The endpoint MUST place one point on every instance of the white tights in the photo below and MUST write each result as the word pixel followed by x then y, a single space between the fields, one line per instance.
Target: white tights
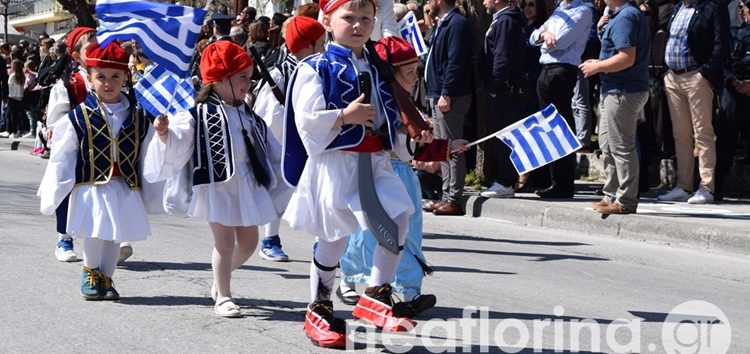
pixel 101 254
pixel 272 228
pixel 227 256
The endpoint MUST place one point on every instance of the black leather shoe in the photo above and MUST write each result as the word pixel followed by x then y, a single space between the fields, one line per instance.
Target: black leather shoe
pixel 554 193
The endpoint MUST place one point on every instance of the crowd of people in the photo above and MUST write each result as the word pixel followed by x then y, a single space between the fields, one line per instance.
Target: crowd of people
pixel 622 71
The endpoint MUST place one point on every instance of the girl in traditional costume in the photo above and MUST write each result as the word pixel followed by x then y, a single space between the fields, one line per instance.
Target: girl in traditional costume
pixel 232 157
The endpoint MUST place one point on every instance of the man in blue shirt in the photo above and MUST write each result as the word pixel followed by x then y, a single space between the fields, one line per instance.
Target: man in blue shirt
pixel 563 39
pixel 623 68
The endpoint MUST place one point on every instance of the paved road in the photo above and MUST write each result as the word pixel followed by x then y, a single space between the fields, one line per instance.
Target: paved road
pixel 533 287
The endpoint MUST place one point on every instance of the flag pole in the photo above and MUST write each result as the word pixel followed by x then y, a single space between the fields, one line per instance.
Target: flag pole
pixel 488 137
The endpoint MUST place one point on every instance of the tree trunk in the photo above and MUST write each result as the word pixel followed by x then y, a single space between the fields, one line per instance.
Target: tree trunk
pixel 486 161
pixel 82 10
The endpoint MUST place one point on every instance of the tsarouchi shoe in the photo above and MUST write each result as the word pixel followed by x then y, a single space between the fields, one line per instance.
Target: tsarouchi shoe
pixel 322 328
pixel 376 306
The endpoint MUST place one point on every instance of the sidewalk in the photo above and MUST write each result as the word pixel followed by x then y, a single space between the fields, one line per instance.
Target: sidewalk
pixel 723 227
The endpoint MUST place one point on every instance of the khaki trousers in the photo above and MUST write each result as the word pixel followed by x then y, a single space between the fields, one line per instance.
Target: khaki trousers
pixel 690 98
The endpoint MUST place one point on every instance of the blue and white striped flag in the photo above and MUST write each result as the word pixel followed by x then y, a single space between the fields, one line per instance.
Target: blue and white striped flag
pixel 539 139
pixel 167 33
pixel 160 91
pixel 410 31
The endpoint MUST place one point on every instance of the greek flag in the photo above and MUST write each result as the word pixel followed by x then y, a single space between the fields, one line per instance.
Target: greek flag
pixel 410 31
pixel 160 91
pixel 539 139
pixel 167 33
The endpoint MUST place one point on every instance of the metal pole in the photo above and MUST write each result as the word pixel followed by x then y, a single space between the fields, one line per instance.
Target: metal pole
pixel 5 21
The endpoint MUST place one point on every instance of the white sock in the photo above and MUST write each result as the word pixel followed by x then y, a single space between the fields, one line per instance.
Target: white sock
pixel 272 228
pixel 385 263
pixel 110 253
pixel 327 255
pixel 92 252
pixel 61 237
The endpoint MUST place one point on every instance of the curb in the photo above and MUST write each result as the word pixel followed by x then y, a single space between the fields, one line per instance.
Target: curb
pixel 705 236
pixel 16 144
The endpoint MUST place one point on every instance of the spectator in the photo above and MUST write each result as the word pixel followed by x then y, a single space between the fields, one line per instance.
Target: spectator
pixel 582 112
pixel 697 49
pixel 309 10
pixel 385 21
pixel 222 27
pixel 247 17
pixel 31 96
pixel 504 47
pixel 536 14
pixel 623 69
pixel 448 75
pixel 563 39
pixel 4 51
pixel 16 116
pixel 259 38
pixel 238 35
pixel 400 10
pixel 734 116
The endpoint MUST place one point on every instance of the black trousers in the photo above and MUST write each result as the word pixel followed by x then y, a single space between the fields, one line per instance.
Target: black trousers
pixel 555 86
pixel 733 119
pixel 504 111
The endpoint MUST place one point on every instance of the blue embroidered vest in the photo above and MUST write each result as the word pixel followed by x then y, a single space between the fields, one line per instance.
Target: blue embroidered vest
pixel 339 76
pixel 95 161
pixel 213 160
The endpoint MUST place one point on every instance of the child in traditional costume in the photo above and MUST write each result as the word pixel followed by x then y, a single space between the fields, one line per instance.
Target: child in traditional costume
pixel 65 94
pixel 329 132
pixel 96 161
pixel 357 260
pixel 232 154
pixel 304 36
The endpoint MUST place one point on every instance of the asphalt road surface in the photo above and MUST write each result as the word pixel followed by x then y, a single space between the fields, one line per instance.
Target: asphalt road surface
pixel 500 287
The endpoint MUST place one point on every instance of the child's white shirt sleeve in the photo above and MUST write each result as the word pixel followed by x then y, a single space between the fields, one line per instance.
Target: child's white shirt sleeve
pixel 313 119
pixel 60 175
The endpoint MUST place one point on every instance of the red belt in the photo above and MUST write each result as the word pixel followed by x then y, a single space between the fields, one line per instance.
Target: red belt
pixel 116 169
pixel 371 143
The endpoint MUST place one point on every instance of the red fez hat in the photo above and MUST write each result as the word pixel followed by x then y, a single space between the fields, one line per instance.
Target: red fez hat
pixel 75 35
pixel 327 6
pixel 301 32
pixel 396 51
pixel 111 56
pixel 223 59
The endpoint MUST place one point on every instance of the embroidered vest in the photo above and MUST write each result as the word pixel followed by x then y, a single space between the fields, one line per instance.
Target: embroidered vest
pixel 95 162
pixel 213 160
pixel 339 76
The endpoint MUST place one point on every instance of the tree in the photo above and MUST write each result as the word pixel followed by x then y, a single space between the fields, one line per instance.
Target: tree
pixel 486 167
pixel 83 10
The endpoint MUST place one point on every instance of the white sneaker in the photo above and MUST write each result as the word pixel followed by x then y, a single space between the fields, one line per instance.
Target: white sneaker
pixel 497 190
pixel 677 194
pixel 126 250
pixel 28 135
pixel 4 135
pixel 701 196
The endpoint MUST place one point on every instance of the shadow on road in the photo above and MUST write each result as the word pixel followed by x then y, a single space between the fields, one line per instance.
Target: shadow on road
pixel 538 257
pixel 429 236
